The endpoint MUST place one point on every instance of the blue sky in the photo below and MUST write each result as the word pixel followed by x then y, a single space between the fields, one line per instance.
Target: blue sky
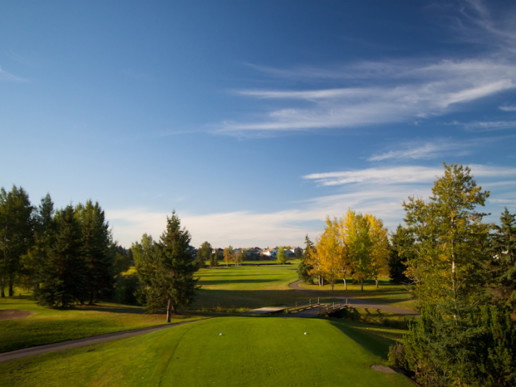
pixel 254 120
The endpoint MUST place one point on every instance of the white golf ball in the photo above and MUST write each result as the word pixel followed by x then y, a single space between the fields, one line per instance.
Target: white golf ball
pixel 306 333
pixel 220 334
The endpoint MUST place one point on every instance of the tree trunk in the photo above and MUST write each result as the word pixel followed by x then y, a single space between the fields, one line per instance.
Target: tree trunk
pixel 376 281
pixel 170 309
pixel 361 285
pixel 11 287
pixel 345 283
pixel 2 285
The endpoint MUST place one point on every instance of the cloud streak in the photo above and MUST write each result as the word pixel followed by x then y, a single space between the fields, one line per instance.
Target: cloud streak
pixel 404 93
pixel 8 77
pixel 391 91
pixel 380 191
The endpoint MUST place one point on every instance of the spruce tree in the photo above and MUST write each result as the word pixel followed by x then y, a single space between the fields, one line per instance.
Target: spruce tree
pixel 502 264
pixel 62 274
pixel 16 234
pixel 166 269
pixel 96 252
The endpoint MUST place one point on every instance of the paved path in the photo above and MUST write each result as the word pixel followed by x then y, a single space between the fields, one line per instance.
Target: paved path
pixel 26 352
pixel 355 302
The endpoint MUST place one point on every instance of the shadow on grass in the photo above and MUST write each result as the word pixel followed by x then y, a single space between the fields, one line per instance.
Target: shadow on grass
pixel 236 281
pixel 232 299
pixel 112 308
pixel 369 339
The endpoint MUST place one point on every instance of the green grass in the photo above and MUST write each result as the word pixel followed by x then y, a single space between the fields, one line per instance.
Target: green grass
pixel 255 285
pixel 387 293
pixel 249 286
pixel 248 277
pixel 251 351
pixel 46 325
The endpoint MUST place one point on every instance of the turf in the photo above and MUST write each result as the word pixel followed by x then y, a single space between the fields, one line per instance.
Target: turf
pixel 46 325
pixel 250 351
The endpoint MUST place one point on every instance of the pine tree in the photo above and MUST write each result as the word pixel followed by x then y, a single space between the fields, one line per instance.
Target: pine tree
pixel 166 269
pixel 62 280
pixel 96 252
pixel 44 237
pixel 305 267
pixel 502 264
pixel 16 234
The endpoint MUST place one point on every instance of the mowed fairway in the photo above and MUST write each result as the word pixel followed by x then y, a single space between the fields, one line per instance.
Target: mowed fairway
pixel 248 286
pixel 251 351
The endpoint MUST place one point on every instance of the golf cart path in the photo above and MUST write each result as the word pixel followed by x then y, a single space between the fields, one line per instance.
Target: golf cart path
pixel 355 302
pixel 54 347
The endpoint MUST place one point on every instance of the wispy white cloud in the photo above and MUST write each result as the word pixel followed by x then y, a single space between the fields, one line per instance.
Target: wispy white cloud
pixel 440 149
pixel 394 175
pixel 404 93
pixel 507 108
pixel 417 151
pixel 9 77
pixel 399 175
pixel 391 91
pixel 489 126
pixel 377 191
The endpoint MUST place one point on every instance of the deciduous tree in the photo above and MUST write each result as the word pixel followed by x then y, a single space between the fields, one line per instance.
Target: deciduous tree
pixel 204 254
pixel 379 253
pixel 359 246
pixel 331 251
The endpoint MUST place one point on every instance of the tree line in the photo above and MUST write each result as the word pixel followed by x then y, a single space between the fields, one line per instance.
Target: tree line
pixel 354 246
pixel 65 256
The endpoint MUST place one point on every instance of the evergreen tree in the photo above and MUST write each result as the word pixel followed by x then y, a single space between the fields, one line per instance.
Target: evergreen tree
pixel 44 237
pixel 96 252
pixel 16 234
pixel 167 269
pixel 305 267
pixel 62 272
pixel 502 266
pixel 401 249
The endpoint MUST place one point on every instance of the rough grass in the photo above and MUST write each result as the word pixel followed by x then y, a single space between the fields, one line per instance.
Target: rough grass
pixel 47 326
pixel 251 351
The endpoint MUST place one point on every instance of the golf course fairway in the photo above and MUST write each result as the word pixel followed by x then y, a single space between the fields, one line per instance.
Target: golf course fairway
pixel 225 351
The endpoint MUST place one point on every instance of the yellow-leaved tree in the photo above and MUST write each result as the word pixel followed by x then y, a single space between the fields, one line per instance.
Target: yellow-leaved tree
pixel 358 244
pixel 379 253
pixel 331 251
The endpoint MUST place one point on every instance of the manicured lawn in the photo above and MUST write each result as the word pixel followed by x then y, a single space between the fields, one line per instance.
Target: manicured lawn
pixel 253 276
pixel 257 284
pixel 248 286
pixel 46 325
pixel 387 293
pixel 250 351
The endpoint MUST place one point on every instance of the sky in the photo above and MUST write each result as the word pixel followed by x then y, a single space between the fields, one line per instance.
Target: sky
pixel 255 120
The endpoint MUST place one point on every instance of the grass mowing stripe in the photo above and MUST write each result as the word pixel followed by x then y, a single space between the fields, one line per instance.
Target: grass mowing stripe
pixel 252 351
